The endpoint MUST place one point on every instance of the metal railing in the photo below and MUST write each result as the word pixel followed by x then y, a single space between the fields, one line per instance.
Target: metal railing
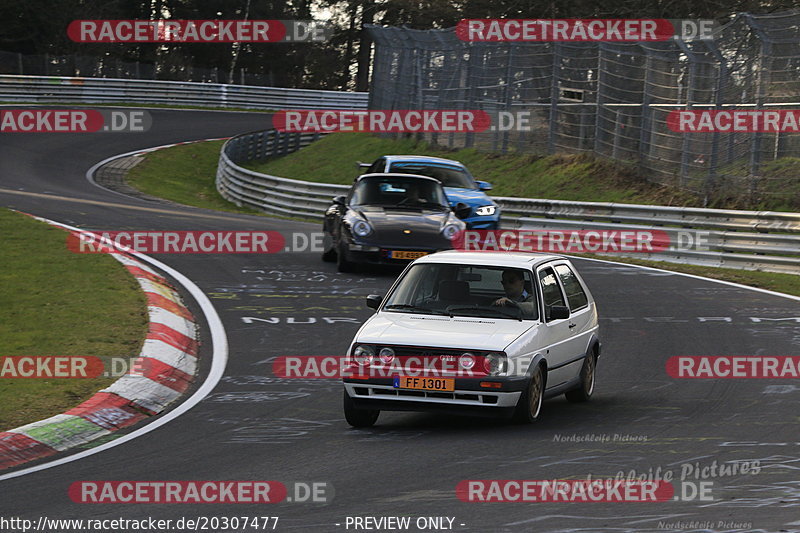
pixel 612 99
pixel 116 91
pixel 751 240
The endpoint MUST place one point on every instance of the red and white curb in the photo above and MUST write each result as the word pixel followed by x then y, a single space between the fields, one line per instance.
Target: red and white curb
pixel 164 369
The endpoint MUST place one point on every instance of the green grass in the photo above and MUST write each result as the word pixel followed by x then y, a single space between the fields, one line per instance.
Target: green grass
pixel 565 177
pixel 556 177
pixel 184 174
pixel 56 302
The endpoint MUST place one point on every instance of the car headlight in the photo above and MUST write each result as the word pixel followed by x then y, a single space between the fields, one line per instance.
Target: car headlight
pixel 486 210
pixel 467 360
pixel 495 363
pixel 363 354
pixel 361 228
pixel 386 355
pixel 450 231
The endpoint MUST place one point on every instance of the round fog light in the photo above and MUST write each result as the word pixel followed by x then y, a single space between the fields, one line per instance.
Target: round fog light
pixel 363 354
pixel 467 360
pixel 494 363
pixel 386 355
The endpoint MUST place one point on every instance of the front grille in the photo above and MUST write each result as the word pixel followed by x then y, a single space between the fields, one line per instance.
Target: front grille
pixel 482 399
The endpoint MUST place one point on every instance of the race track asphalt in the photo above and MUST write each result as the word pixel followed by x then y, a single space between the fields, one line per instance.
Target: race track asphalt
pixel 255 426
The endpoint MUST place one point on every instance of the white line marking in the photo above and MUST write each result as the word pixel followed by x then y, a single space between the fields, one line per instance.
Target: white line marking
pixel 219 359
pixel 731 283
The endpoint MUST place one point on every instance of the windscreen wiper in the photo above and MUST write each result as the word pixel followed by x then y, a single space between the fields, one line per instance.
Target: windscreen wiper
pixel 462 308
pixel 409 307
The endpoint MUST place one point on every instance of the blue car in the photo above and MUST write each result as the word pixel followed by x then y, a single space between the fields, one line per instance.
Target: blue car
pixel 459 185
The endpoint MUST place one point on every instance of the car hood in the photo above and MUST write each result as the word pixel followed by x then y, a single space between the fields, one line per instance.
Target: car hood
pixel 389 225
pixel 471 197
pixel 472 333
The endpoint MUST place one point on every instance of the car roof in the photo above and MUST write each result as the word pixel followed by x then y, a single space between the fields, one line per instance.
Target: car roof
pixel 397 175
pixel 505 259
pixel 423 158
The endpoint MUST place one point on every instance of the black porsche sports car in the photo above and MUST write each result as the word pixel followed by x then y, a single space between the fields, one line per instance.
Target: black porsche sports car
pixel 390 219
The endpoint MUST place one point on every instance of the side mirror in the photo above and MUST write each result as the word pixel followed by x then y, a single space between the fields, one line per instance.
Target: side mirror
pixel 558 312
pixel 361 166
pixel 462 210
pixel 374 301
pixel 483 185
pixel 339 199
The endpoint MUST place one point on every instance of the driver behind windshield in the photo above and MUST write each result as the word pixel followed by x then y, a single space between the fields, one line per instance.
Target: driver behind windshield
pixel 513 283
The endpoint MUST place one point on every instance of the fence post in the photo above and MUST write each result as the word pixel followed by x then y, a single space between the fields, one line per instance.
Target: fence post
pixel 761 88
pixel 598 130
pixel 508 94
pixel 554 96
pixel 645 122
pixel 719 99
pixel 469 139
pixel 691 87
pixel 617 133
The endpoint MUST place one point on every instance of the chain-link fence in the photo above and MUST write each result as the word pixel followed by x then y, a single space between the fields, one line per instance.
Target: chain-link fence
pixel 611 98
pixel 169 68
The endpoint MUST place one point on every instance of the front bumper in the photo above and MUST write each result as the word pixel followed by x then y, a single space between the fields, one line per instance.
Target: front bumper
pixel 377 255
pixel 468 397
pixel 487 223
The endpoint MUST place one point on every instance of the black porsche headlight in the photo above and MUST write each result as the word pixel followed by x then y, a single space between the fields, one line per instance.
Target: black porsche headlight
pixel 361 228
pixel 451 230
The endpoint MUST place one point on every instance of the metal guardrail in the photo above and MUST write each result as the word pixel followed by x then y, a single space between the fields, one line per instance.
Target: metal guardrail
pixel 113 91
pixel 271 194
pixel 750 240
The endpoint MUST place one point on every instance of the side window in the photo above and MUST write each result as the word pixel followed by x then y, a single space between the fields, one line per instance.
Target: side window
pixel 575 293
pixel 551 291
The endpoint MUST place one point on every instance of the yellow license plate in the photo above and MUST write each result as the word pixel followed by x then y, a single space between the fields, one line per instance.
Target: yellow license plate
pixel 416 383
pixel 402 254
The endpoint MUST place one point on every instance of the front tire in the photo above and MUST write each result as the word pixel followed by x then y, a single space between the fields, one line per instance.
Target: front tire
pixel 588 371
pixel 358 418
pixel 529 406
pixel 342 264
pixel 329 249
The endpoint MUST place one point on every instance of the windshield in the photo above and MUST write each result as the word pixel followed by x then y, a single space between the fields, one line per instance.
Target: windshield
pixel 448 175
pixel 465 290
pixel 399 191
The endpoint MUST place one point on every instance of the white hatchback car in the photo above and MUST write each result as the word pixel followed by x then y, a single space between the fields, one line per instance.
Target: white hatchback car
pixel 475 333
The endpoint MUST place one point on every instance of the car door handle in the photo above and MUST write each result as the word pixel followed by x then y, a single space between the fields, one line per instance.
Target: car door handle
pixel 572 326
